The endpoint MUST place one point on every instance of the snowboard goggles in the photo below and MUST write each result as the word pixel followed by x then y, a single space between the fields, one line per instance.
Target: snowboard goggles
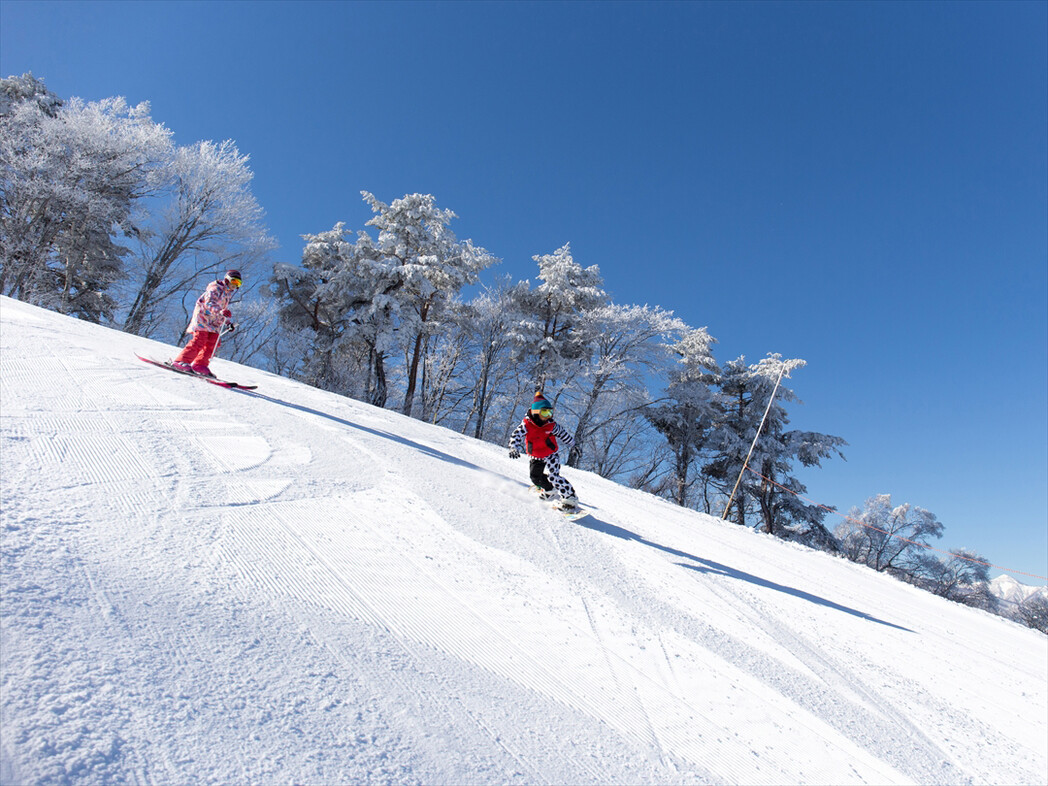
pixel 545 413
pixel 234 282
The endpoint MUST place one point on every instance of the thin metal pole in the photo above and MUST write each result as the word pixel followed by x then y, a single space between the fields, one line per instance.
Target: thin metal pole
pixel 745 464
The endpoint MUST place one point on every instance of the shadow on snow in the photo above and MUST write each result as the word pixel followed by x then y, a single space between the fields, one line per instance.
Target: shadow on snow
pixel 702 565
pixel 374 432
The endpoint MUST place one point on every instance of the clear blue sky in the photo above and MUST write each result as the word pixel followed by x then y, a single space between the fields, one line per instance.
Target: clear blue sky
pixel 861 185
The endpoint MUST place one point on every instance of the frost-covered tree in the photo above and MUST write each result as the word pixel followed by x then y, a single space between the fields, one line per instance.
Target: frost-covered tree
pixel 1033 612
pixel 489 324
pixel 625 447
pixel 258 340
pixel 688 417
pixel 27 88
pixel 70 174
pixel 342 297
pixel 448 370
pixel 630 343
pixel 555 336
pixel 765 482
pixel 889 537
pixel 206 221
pixel 429 264
pixel 963 578
pixel 367 301
pixel 30 219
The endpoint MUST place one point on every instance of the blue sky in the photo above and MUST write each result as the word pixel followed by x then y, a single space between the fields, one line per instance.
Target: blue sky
pixel 861 185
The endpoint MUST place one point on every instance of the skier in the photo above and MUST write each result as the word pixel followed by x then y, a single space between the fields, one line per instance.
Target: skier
pixel 209 315
pixel 537 436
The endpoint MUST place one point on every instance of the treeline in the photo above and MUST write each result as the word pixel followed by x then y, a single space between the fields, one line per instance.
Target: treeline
pixel 102 217
pixel 380 317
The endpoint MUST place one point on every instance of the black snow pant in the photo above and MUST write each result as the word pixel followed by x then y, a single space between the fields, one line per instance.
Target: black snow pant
pixel 551 465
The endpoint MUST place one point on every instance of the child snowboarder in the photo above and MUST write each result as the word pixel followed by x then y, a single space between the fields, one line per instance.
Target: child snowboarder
pixel 209 315
pixel 537 436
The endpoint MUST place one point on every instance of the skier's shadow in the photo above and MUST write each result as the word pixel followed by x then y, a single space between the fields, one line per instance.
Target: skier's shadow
pixel 374 432
pixel 702 565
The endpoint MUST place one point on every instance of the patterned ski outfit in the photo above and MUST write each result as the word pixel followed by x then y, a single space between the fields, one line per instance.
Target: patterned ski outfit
pixel 209 312
pixel 209 316
pixel 538 438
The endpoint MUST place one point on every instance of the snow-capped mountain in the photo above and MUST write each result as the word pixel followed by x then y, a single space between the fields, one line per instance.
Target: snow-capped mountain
pixel 212 586
pixel 1011 590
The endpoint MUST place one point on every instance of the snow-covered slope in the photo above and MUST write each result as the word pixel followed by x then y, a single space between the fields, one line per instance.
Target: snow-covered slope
pixel 204 585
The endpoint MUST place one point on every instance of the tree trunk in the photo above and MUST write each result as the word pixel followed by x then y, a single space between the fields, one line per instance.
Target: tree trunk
pixel 137 315
pixel 379 391
pixel 416 356
pixel 680 495
pixel 581 429
pixel 482 404
pixel 409 396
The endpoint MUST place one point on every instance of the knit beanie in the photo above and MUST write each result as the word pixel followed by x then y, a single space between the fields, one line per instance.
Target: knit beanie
pixel 540 402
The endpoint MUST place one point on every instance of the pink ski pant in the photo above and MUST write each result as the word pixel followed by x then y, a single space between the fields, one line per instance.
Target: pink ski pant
pixel 200 348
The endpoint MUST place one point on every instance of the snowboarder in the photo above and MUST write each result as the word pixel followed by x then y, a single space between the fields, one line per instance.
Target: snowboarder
pixel 210 314
pixel 537 436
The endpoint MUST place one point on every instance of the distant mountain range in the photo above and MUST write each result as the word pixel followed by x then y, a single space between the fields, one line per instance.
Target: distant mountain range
pixel 1010 590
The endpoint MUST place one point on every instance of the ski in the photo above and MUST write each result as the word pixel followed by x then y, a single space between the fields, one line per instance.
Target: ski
pixel 222 383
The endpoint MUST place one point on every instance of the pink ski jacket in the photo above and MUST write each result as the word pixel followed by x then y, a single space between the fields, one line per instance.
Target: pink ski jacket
pixel 207 314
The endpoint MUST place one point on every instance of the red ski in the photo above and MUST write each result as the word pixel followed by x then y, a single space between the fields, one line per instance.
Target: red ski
pixel 222 383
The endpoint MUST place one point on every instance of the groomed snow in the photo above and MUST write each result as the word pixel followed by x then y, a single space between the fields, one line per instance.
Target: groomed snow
pixel 211 586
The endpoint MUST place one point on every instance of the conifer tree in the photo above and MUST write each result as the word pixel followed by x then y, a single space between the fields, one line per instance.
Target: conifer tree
pixel 765 483
pixel 688 418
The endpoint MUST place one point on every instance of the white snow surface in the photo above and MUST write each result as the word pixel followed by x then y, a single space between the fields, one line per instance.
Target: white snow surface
pixel 202 585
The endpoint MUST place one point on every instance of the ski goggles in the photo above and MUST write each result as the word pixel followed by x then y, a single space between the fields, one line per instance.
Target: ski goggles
pixel 545 413
pixel 234 282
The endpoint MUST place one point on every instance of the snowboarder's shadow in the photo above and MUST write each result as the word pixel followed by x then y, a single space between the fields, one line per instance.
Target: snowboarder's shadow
pixel 703 565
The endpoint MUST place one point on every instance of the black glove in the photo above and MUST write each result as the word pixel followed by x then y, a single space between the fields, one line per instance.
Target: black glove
pixel 514 453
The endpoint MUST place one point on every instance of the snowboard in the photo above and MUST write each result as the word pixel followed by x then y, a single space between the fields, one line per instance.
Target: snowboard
pixel 570 515
pixel 222 383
